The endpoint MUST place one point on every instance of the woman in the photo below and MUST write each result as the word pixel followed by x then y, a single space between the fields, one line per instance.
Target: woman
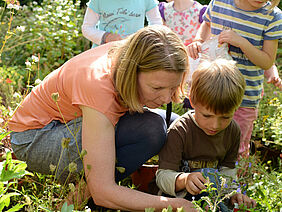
pixel 93 93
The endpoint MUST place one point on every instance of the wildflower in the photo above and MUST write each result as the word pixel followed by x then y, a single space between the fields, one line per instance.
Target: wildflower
pixel 27 200
pixel 244 192
pixel 72 167
pixel 8 81
pixel 37 81
pixel 34 58
pixel 20 28
pixel 193 198
pixel 55 96
pixel 250 164
pixel 16 95
pixel 120 169
pixel 65 142
pixel 236 164
pixel 52 167
pixel 13 6
pixel 225 185
pixel 72 187
pixel 238 190
pixel 27 63
pixel 83 153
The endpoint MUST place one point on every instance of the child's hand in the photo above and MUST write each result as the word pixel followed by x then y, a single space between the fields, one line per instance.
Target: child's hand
pixel 194 183
pixel 113 37
pixel 272 77
pixel 194 49
pixel 243 199
pixel 231 37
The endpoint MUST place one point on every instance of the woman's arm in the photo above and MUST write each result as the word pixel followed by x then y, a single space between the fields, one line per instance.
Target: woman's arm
pixel 263 58
pixel 98 139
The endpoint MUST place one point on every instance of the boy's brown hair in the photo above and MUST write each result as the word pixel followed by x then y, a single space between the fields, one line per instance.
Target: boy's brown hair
pixel 218 85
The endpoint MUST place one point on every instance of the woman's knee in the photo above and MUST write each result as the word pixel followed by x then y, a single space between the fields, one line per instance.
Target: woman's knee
pixel 148 128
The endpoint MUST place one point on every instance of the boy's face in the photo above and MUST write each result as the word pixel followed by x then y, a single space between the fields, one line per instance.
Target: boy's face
pixel 210 122
pixel 252 4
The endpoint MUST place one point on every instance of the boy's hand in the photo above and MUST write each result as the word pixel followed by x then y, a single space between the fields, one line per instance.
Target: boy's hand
pixel 194 183
pixel 243 199
pixel 194 49
pixel 272 76
pixel 231 37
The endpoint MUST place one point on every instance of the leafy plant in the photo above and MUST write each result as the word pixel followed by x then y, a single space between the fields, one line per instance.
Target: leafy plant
pixel 10 171
pixel 261 182
pixel 268 126
pixel 50 30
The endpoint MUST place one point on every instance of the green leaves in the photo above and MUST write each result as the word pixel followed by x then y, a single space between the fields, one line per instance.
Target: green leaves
pixel 10 169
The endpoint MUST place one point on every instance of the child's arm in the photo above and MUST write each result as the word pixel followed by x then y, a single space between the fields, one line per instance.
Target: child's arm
pixel 161 10
pixel 263 58
pixel 202 35
pixel 89 31
pixel 165 180
pixel 272 76
pixel 154 17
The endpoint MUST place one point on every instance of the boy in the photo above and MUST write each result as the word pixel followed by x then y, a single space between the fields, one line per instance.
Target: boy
pixel 205 138
pixel 252 29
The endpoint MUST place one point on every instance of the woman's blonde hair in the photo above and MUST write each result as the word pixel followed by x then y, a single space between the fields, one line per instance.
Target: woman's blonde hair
pixel 218 85
pixel 152 48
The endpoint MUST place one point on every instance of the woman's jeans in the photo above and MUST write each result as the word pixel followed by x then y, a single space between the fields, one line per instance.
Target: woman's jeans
pixel 138 137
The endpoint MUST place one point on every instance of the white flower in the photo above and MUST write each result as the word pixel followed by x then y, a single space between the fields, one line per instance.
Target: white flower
pixel 20 28
pixel 37 81
pixel 16 95
pixel 16 7
pixel 13 6
pixel 27 63
pixel 34 58
pixel 10 6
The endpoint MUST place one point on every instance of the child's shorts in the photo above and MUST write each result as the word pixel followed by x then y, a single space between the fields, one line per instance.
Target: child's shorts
pixel 245 117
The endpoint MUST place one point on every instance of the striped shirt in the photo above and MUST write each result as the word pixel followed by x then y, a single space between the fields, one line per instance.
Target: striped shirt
pixel 256 26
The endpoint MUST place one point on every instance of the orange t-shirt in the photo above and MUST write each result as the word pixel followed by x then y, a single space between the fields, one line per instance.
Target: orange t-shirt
pixel 83 80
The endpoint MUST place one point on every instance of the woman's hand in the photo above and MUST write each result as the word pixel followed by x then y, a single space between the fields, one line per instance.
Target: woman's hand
pixel 243 199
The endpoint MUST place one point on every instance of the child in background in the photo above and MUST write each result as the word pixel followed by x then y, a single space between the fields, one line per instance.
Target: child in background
pixel 111 20
pixel 205 139
pixel 252 28
pixel 184 17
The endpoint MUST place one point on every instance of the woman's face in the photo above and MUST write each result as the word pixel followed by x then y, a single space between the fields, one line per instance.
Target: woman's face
pixel 156 88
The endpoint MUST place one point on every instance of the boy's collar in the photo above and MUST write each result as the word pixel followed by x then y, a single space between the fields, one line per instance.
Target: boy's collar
pixel 192 115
